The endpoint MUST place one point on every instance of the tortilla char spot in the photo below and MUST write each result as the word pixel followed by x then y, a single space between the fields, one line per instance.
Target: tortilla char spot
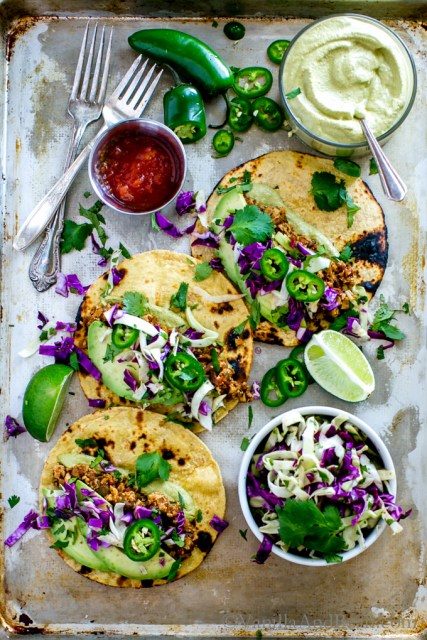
pixel 132 445
pixel 120 580
pixel 373 248
pixel 167 454
pixel 181 462
pixel 239 373
pixel 139 417
pixel 216 324
pixel 371 287
pixel 222 308
pixel 231 340
pixel 146 583
pixel 204 541
pixel 142 436
pixel 105 276
pixel 83 373
pixel 101 442
pixel 245 334
pixel 84 570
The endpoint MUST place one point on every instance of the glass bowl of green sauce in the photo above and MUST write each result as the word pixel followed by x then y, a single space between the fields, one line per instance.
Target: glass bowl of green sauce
pixel 342 68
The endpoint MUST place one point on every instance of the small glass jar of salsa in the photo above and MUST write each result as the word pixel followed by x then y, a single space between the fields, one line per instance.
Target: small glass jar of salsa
pixel 137 166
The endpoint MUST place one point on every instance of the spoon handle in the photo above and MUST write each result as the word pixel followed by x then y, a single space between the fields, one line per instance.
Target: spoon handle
pixel 392 184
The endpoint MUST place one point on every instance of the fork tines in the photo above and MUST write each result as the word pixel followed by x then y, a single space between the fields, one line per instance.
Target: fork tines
pixel 135 88
pixel 80 87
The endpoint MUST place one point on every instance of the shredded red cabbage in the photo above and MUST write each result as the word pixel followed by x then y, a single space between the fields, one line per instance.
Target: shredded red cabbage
pixel 43 320
pixel 331 296
pixel 218 524
pixel 69 327
pixel 130 380
pixel 60 350
pixel 185 202
pixel 29 522
pixel 303 335
pixel 296 314
pixel 118 275
pixel 142 512
pixel 264 551
pixel 180 522
pixel 379 335
pixel 69 284
pixel 96 248
pixel 216 265
pixel 255 390
pixel 13 428
pixel 97 403
pixel 87 364
pixel 206 239
pixel 204 408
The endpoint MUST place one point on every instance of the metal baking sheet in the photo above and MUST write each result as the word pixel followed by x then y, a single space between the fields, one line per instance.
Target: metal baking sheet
pixel 380 593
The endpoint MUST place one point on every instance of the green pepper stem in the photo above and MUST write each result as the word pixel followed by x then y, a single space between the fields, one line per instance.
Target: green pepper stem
pixel 227 114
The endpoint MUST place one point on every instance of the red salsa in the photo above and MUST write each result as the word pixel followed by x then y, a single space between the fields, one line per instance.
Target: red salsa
pixel 138 171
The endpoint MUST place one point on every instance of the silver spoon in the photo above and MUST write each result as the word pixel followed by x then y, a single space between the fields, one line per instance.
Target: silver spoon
pixel 392 184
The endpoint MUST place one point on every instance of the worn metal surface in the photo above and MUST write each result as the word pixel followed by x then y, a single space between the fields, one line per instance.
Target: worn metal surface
pixel 382 592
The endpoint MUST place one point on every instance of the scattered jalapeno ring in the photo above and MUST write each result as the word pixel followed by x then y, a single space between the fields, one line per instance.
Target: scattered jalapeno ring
pixel 297 353
pixel 305 286
pixel 124 336
pixel 268 114
pixel 184 113
pixel 240 116
pixel 274 264
pixel 142 540
pixel 184 372
pixel 252 82
pixel 223 142
pixel 234 30
pixel 269 388
pixel 291 378
pixel 276 50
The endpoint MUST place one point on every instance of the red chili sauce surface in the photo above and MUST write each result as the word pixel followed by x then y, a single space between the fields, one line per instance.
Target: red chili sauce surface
pixel 138 171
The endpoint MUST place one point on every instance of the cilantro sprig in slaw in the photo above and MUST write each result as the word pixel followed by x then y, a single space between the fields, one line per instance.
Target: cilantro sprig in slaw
pixel 317 487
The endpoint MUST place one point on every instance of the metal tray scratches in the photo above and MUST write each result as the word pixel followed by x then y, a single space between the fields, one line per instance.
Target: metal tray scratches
pixel 382 592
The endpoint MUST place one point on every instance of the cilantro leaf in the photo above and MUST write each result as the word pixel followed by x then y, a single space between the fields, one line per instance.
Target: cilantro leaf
pixel 237 331
pixel 373 169
pixel 346 254
pixel 199 516
pixel 245 184
pixel 154 223
pixel 405 308
pixel 13 501
pixel 250 416
pixel 97 220
pixel 111 352
pixel 88 442
pixel 214 24
pixel 326 190
pixel 255 317
pixel 251 225
pixel 293 94
pixel 124 251
pixel 174 570
pixel 179 299
pixel 74 235
pixel 135 303
pixel 59 544
pixel 243 533
pixel 74 361
pixel 245 443
pixel 380 353
pixel 352 207
pixel 304 524
pixel 150 466
pixel 203 271
pixel 348 167
pixel 382 322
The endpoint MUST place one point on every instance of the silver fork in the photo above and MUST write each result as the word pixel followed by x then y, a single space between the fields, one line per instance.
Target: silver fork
pixel 84 109
pixel 127 101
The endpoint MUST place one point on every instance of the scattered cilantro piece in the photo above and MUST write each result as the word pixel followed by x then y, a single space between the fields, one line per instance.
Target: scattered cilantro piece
pixel 352 207
pixel 87 194
pixel 405 308
pixel 177 539
pixel 74 361
pixel 135 303
pixel 348 167
pixel 99 458
pixel 373 169
pixel 382 322
pixel 88 442
pixel 74 235
pixel 250 416
pixel 59 544
pixel 380 353
pixel 243 533
pixel 199 516
pixel 332 557
pixel 245 183
pixel 346 254
pixel 304 524
pixel 179 299
pixel 293 94
pixel 154 224
pixel 150 466
pixel 203 271
pixel 237 331
pixel 339 323
pixel 174 570
pixel 111 352
pixel 172 417
pixel 124 251
pixel 214 24
pixel 96 219
pixel 326 190
pixel 215 361
pixel 117 474
pixel 245 443
pixel 251 225
pixel 258 633
pixel 181 501
pixel 255 316
pixel 13 501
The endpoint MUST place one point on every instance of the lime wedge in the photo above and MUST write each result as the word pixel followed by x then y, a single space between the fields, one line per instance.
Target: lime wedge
pixel 43 400
pixel 339 366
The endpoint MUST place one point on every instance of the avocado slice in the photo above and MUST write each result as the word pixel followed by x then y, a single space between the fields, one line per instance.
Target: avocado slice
pixel 72 531
pixel 116 561
pixel 266 195
pixel 228 204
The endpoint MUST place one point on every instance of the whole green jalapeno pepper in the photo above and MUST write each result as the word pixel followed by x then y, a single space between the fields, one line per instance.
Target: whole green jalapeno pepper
pixel 194 60
pixel 184 112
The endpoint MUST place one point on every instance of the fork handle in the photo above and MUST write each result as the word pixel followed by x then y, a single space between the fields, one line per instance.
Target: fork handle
pixel 42 214
pixel 45 264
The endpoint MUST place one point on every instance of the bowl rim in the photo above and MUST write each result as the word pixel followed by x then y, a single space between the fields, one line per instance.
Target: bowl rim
pixel 109 131
pixel 322 411
pixel 351 145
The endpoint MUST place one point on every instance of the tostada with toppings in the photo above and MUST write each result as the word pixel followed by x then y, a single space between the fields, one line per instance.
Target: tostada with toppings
pixel 156 332
pixel 130 500
pixel 305 242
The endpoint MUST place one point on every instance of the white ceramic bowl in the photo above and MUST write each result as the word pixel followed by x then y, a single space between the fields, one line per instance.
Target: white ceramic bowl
pixel 264 433
pixel 322 144
pixel 163 139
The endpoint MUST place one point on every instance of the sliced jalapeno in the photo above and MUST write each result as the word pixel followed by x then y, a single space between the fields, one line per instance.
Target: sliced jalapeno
pixel 297 353
pixel 234 30
pixel 268 114
pixel 291 378
pixel 184 372
pixel 276 50
pixel 223 142
pixel 124 336
pixel 274 264
pixel 305 286
pixel 142 540
pixel 270 393
pixel 252 82
pixel 240 116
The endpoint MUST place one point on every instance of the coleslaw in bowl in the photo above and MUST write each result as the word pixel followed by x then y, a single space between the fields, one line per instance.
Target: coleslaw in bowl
pixel 317 486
